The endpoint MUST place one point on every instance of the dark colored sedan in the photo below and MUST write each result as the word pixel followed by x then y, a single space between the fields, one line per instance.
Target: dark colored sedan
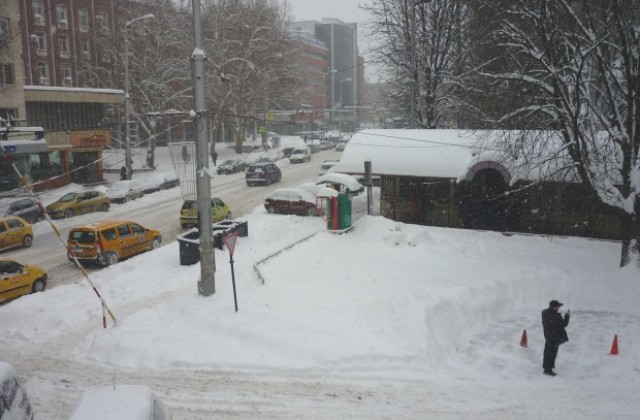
pixel 231 166
pixel 262 173
pixel 27 208
pixel 291 201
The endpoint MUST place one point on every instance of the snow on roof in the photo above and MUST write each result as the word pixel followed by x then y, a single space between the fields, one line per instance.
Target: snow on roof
pixel 424 153
pixel 334 178
pixel 72 89
pixel 453 154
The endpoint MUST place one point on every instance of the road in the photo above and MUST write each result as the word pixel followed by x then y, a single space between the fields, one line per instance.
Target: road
pixel 158 211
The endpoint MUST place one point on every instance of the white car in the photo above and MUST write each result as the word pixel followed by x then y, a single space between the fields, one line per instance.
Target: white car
pixel 300 155
pixel 130 402
pixel 123 191
pixel 326 165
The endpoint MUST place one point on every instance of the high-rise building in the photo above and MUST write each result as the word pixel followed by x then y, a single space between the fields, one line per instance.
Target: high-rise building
pixel 345 72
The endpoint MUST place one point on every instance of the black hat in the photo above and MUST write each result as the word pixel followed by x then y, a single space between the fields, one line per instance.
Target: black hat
pixel 554 304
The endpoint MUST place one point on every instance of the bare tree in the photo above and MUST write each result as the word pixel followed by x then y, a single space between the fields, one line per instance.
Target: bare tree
pixel 250 60
pixel 577 66
pixel 420 44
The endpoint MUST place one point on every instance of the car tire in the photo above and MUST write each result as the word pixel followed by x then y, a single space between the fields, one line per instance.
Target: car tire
pixel 110 259
pixel 68 213
pixel 104 207
pixel 229 216
pixel 268 181
pixel 311 211
pixel 271 210
pixel 38 286
pixel 27 241
pixel 155 244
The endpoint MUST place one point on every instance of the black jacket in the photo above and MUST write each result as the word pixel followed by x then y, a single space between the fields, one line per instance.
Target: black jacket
pixel 553 325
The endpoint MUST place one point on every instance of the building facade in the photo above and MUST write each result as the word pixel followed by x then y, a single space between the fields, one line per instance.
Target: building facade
pixel 62 82
pixel 344 75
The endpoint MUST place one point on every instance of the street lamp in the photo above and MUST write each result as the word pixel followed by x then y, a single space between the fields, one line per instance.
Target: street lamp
pixel 348 79
pixel 127 142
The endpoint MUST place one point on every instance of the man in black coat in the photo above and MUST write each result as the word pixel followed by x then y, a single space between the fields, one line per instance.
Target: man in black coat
pixel 553 325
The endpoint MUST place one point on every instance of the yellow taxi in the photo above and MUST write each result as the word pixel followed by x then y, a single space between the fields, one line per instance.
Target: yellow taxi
pixel 189 212
pixel 110 241
pixel 15 232
pixel 19 279
pixel 78 203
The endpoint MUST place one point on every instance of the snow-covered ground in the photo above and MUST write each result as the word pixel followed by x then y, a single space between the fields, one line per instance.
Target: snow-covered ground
pixel 431 316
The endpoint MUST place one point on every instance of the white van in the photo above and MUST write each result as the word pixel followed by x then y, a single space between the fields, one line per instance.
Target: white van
pixel 301 154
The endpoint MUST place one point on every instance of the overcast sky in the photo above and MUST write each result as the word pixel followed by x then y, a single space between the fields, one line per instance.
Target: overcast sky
pixel 345 10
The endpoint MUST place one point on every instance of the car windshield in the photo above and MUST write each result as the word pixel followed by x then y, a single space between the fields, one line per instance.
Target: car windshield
pixel 68 197
pixel 228 162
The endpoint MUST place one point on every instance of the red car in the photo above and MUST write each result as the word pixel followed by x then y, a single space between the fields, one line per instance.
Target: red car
pixel 291 201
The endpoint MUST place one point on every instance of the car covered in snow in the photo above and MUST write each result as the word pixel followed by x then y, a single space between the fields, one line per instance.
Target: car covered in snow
pixel 291 201
pixel 120 402
pixel 123 191
pixel 302 154
pixel 14 403
pixel 27 208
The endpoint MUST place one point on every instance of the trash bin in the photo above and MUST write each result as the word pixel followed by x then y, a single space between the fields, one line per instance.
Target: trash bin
pixel 189 247
pixel 190 241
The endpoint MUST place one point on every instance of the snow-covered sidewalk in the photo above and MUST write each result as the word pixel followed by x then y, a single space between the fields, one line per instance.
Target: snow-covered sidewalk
pixel 422 309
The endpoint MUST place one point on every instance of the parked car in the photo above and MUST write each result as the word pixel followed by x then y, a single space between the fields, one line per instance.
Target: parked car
pixel 123 191
pixel 263 173
pixel 19 279
pixel 119 402
pixel 28 209
pixel 78 203
pixel 164 185
pixel 291 201
pixel 14 403
pixel 231 166
pixel 15 232
pixel 326 165
pixel 286 152
pixel 108 242
pixel 312 188
pixel 189 212
pixel 300 155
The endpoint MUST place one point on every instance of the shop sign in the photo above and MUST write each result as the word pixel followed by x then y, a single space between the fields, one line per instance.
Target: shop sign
pixel 90 139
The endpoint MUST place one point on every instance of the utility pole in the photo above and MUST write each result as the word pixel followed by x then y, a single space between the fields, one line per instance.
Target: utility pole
pixel 207 283
pixel 412 34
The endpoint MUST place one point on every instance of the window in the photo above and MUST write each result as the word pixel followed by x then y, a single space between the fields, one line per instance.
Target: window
pixel 7 76
pixel 14 223
pixel 41 43
pixel 38 12
pixel 5 28
pixel 102 21
pixel 109 234
pixel 137 228
pixel 84 47
pixel 123 230
pixel 61 14
pixel 43 72
pixel 83 20
pixel 65 73
pixel 105 55
pixel 63 40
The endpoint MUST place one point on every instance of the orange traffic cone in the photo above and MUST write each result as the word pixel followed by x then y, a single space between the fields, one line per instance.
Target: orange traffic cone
pixel 523 340
pixel 614 346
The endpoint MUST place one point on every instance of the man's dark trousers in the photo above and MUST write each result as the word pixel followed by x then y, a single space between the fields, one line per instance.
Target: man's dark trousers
pixel 550 353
